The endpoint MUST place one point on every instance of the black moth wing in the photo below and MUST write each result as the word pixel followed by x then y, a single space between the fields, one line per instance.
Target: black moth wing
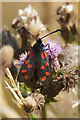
pixel 43 68
pixel 28 68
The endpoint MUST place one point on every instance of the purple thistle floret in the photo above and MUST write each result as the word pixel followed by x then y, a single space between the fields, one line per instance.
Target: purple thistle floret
pixel 55 48
pixel 53 52
pixel 21 60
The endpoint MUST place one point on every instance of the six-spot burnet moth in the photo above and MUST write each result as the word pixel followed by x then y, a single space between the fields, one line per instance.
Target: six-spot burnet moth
pixel 35 71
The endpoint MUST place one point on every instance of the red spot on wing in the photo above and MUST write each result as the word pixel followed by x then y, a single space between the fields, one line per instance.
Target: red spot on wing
pixel 26 62
pixel 26 76
pixel 46 64
pixel 23 71
pixel 30 52
pixel 43 55
pixel 47 73
pixel 29 66
pixel 42 67
pixel 43 78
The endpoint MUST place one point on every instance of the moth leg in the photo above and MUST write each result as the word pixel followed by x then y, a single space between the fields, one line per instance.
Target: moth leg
pixel 48 46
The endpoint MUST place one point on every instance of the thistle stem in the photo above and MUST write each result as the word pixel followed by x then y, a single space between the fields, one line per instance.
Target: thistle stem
pixel 44 113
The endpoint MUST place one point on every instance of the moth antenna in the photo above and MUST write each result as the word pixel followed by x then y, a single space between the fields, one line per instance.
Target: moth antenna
pixel 58 30
pixel 27 32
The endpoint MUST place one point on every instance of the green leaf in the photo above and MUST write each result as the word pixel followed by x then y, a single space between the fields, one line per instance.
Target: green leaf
pixel 48 100
pixel 71 37
pixel 33 117
pixel 24 89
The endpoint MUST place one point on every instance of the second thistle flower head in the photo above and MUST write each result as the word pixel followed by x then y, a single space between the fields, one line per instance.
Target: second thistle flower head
pixel 55 49
pixel 21 60
pixel 53 52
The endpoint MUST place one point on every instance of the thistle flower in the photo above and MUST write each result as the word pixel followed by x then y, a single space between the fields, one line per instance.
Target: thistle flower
pixel 53 52
pixel 21 60
pixel 55 49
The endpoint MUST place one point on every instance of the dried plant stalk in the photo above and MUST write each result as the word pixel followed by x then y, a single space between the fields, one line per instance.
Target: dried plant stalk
pixel 15 95
pixel 18 91
pixel 13 83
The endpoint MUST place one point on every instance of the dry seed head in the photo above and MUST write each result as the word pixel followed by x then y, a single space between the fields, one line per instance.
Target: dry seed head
pixel 30 20
pixel 67 58
pixel 6 56
pixel 29 104
pixel 65 15
pixel 34 102
pixel 40 100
